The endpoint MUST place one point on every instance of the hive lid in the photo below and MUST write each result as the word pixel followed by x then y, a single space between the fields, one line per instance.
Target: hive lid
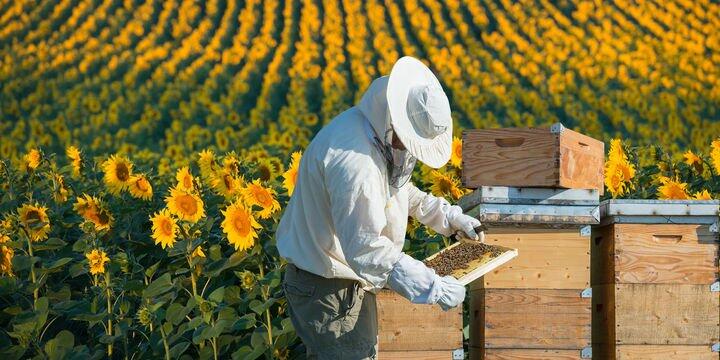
pixel 637 211
pixel 520 214
pixel 528 196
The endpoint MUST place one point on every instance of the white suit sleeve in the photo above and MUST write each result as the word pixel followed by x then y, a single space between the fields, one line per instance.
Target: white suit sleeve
pixel 357 199
pixel 430 210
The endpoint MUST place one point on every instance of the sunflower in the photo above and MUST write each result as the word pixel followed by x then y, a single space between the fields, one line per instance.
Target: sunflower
pixel 672 189
pixel 619 172
pixel 715 155
pixel 185 205
pixel 221 140
pixel 231 164
pixel 75 159
pixel 693 160
pixel 445 185
pixel 32 159
pixel 35 220
pixel 60 192
pixel 164 228
pixel 185 179
pixel 207 164
pixel 6 256
pixel 456 155
pixel 140 187
pixel 239 225
pixel 97 259
pixel 255 154
pixel 226 184
pixel 93 210
pixel 256 194
pixel 7 223
pixel 614 181
pixel 118 173
pixel 247 279
pixel 290 176
pixel 702 195
pixel 267 170
pixel 198 252
pixel 145 316
pixel 616 152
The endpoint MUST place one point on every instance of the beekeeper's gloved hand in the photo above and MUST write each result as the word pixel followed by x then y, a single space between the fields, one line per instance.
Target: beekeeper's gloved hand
pixel 464 223
pixel 421 285
pixel 453 294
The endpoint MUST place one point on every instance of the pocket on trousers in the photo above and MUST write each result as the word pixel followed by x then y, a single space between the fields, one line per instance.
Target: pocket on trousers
pixel 298 289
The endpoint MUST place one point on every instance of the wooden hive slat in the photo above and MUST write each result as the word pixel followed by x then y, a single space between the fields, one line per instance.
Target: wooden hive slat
pixel 529 318
pixel 404 326
pixel 532 157
pixel 665 254
pixel 665 352
pixel 547 259
pixel 415 355
pixel 656 314
pixel 524 354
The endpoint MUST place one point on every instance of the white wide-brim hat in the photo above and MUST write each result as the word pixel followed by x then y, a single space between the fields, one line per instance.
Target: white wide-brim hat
pixel 420 112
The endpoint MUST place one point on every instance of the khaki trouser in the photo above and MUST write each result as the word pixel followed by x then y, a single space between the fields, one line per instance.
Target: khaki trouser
pixel 334 318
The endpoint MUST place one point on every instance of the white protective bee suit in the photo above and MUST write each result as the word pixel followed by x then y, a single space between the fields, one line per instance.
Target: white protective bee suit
pixel 346 221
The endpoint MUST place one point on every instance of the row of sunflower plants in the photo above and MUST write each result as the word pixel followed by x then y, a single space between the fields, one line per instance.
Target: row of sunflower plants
pixel 642 172
pixel 100 258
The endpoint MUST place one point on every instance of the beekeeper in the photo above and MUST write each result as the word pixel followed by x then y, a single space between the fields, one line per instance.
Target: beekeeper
pixel 344 227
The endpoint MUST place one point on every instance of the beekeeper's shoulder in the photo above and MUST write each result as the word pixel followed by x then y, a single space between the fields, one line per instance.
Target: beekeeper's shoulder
pixel 347 143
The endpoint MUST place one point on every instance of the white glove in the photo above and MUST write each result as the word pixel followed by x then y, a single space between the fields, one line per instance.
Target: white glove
pixel 453 293
pixel 464 223
pixel 421 285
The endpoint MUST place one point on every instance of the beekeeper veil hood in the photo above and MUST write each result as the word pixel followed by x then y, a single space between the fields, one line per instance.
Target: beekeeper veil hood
pixel 412 104
pixel 420 112
pixel 374 106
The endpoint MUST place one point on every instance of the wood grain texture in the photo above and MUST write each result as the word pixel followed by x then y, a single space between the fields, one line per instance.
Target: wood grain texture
pixel 404 326
pixel 531 157
pixel 658 314
pixel 524 354
pixel 655 314
pixel 665 352
pixel 529 318
pixel 602 255
pixel 653 352
pixel 581 161
pixel 665 254
pixel 510 157
pixel 415 355
pixel 603 314
pixel 547 259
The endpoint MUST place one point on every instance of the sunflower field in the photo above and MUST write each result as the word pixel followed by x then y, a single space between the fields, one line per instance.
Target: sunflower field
pixel 148 147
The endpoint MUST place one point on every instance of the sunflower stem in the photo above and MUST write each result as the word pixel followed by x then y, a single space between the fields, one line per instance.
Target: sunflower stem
pixel 32 268
pixel 215 348
pixel 193 280
pixel 109 311
pixel 165 342
pixel 267 311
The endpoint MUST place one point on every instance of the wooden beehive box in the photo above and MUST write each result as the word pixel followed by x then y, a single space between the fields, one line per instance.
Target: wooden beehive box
pixel 529 322
pixel 538 305
pixel 417 331
pixel 654 279
pixel 532 157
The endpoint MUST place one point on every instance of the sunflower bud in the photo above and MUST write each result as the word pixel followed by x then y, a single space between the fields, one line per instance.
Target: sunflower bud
pixel 145 316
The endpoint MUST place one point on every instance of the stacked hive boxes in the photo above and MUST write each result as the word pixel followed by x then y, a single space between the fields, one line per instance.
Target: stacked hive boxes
pixel 654 278
pixel 538 306
pixel 417 332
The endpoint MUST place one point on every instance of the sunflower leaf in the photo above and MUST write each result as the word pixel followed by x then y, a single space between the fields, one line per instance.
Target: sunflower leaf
pixel 159 286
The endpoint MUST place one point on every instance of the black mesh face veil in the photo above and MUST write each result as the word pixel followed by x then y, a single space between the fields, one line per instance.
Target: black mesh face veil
pixel 400 163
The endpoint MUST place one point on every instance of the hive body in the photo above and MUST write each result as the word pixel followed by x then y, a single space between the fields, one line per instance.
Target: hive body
pixel 654 266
